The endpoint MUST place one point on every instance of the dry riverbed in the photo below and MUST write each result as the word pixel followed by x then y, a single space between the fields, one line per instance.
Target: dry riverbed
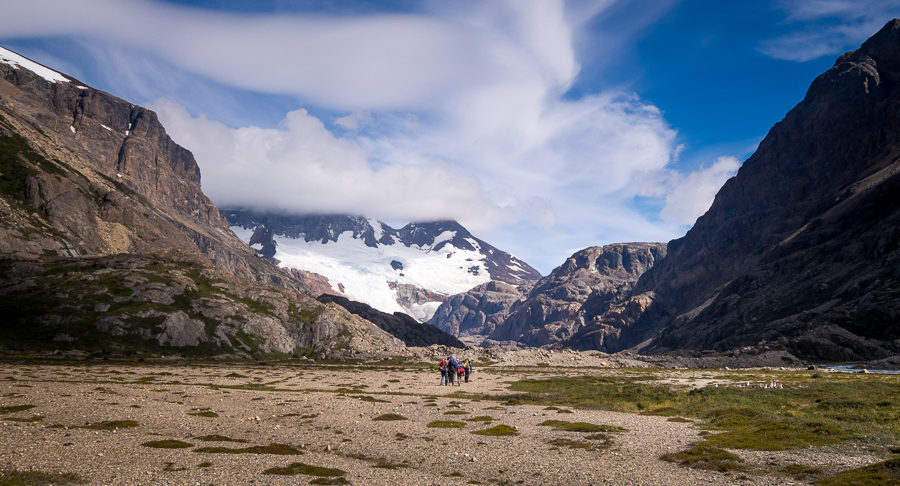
pixel 329 424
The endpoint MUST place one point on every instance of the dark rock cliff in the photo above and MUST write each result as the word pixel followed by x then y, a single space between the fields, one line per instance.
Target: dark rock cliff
pixel 801 249
pixel 398 324
pixel 108 245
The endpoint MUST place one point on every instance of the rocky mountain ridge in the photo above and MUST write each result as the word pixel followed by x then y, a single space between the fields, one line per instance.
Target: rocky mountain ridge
pixel 553 309
pixel 411 269
pixel 800 251
pixel 108 244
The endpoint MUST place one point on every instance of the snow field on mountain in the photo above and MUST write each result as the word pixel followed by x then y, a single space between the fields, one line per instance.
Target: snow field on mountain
pixel 15 60
pixel 366 272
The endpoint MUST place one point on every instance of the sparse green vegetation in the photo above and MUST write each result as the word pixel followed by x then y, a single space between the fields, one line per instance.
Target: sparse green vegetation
pixel 481 418
pixel 204 413
pixel 389 416
pixel 456 412
pixel 111 425
pixel 167 444
pixel 497 430
pixel 706 456
pixel 219 438
pixel 799 471
pixel 11 477
pixel 880 474
pixel 806 412
pixel 295 468
pixel 581 426
pixel 277 449
pixel 445 424
pixel 15 408
pixel 36 418
pixel 571 444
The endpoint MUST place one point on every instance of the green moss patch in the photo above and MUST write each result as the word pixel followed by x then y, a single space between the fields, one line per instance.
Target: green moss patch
pixel 571 444
pixel 389 416
pixel 277 449
pixel 219 438
pixel 15 408
pixel 497 430
pixel 580 426
pixel 456 412
pixel 12 477
pixel 204 413
pixel 36 418
pixel 882 473
pixel 295 468
pixel 799 471
pixel 167 444
pixel 705 456
pixel 481 418
pixel 445 424
pixel 111 425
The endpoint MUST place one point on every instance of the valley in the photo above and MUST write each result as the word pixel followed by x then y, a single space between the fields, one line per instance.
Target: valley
pixel 390 423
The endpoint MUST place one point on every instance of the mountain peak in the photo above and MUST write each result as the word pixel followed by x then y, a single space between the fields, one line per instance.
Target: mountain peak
pixel 408 270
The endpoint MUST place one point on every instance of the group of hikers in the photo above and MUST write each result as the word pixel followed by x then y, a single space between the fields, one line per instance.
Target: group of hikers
pixel 451 368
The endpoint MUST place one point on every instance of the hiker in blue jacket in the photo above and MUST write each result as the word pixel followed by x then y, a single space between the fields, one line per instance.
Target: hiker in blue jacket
pixel 452 366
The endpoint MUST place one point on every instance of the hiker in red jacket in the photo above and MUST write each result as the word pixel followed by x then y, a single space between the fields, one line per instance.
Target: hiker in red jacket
pixel 443 368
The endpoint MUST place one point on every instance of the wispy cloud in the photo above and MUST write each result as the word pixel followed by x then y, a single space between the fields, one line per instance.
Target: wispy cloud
pixel 827 27
pixel 453 112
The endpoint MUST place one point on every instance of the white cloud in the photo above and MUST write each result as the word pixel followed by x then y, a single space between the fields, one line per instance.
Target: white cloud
pixel 828 27
pixel 457 112
pixel 690 195
pixel 302 166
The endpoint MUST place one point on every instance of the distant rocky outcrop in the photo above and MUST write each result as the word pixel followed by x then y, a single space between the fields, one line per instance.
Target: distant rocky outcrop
pixel 108 244
pixel 478 311
pixel 800 251
pixel 398 324
pixel 587 283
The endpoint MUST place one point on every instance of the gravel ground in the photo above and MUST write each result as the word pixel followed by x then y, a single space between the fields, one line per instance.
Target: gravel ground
pixel 308 411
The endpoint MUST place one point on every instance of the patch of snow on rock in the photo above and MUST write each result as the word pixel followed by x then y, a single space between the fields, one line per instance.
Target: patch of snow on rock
pixel 15 60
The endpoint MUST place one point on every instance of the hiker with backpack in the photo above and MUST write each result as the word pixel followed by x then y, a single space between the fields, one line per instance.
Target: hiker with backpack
pixel 443 368
pixel 452 366
pixel 467 367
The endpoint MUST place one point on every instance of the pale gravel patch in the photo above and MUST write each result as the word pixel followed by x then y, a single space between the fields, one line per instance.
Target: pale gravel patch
pixel 343 427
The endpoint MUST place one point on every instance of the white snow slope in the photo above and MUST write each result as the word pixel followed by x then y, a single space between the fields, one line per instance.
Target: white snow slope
pixel 15 60
pixel 365 273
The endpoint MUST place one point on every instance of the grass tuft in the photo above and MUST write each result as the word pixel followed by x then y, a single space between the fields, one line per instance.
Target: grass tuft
pixel 706 456
pixel 277 449
pixel 219 438
pixel 15 408
pixel 882 473
pixel 111 425
pixel 295 468
pixel 581 426
pixel 12 477
pixel 445 424
pixel 571 444
pixel 497 430
pixel 389 416
pixel 167 444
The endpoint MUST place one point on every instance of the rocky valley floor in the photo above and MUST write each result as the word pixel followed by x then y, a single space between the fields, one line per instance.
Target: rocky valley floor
pixel 346 424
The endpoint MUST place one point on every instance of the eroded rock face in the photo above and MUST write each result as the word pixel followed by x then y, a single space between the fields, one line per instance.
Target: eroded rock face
pixel 584 285
pixel 108 179
pixel 108 244
pixel 478 311
pixel 801 250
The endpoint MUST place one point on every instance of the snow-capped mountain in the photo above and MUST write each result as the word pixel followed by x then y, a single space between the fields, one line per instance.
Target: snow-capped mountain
pixel 411 269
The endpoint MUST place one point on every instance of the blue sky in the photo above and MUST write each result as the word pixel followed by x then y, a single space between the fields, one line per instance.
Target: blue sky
pixel 544 126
